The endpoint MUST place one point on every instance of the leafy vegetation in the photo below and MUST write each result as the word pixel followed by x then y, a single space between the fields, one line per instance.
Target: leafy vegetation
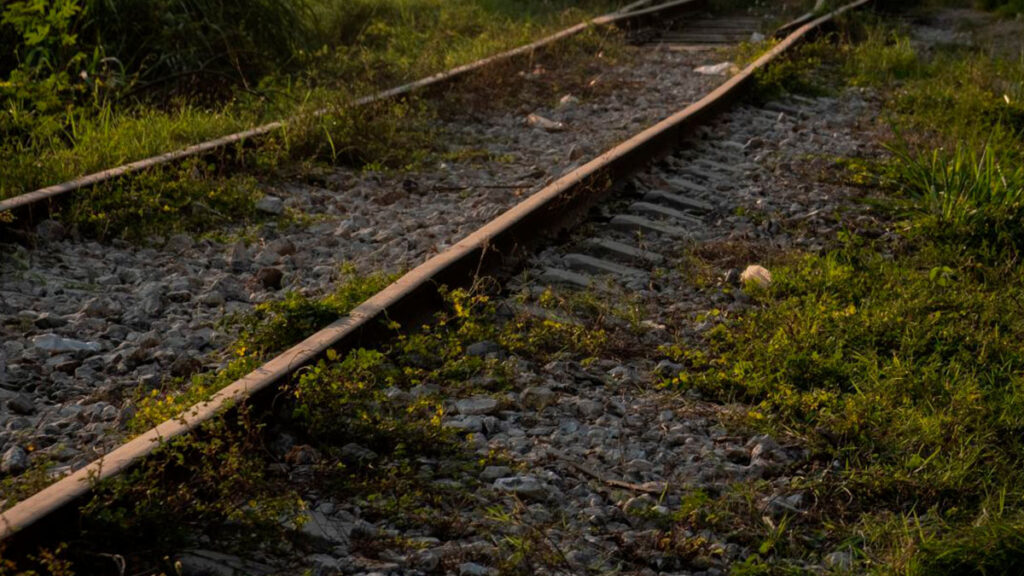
pixel 1006 7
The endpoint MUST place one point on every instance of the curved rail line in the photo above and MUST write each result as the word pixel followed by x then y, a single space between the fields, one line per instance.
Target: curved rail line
pixel 553 208
pixel 636 11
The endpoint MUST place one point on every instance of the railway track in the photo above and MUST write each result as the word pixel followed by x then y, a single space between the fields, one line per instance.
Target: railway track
pixel 87 325
pixel 662 216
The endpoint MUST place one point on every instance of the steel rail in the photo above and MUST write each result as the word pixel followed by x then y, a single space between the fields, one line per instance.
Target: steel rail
pixel 549 209
pixel 638 10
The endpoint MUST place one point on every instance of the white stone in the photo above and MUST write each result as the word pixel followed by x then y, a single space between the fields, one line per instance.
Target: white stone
pixel 55 344
pixel 756 275
pixel 720 69
pixel 544 124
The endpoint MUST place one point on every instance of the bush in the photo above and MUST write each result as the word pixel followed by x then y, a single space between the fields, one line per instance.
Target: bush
pixel 198 46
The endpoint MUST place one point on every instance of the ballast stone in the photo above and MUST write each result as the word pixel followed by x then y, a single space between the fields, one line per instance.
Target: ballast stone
pixel 55 344
pixel 523 486
pixel 270 205
pixel 477 406
pixel 14 460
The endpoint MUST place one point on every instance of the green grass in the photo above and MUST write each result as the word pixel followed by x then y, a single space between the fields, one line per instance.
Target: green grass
pixel 897 362
pixel 1004 7
pixel 905 372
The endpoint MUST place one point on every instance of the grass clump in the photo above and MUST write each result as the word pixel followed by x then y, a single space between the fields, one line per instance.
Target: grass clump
pixel 191 198
pixel 966 199
pixel 380 136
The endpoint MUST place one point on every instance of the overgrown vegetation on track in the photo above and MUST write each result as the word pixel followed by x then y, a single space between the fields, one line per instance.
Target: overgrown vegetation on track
pixel 229 482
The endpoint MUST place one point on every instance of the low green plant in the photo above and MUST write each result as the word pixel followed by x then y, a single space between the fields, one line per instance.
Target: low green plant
pixel 881 55
pixel 213 482
pixel 967 200
pixel 191 198
pixel 275 325
pixel 1005 7
pixel 379 136
pixel 347 401
pixel 797 74
pixel 555 335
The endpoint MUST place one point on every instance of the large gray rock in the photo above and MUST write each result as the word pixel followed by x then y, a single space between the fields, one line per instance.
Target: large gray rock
pixel 211 563
pixel 21 404
pixel 50 231
pixel 14 460
pixel 238 257
pixel 353 453
pixel 270 205
pixel 523 486
pixel 474 569
pixel 54 344
pixel 537 398
pixel 589 408
pixel 101 307
pixel 477 406
pixel 320 527
pixel 483 348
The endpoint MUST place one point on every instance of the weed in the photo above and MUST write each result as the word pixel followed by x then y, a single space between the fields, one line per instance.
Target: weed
pixel 273 326
pixel 966 199
pixel 191 198
pixel 550 336
pixel 882 56
pixel 213 483
pixel 1005 7
pixel 378 136
pixel 798 73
